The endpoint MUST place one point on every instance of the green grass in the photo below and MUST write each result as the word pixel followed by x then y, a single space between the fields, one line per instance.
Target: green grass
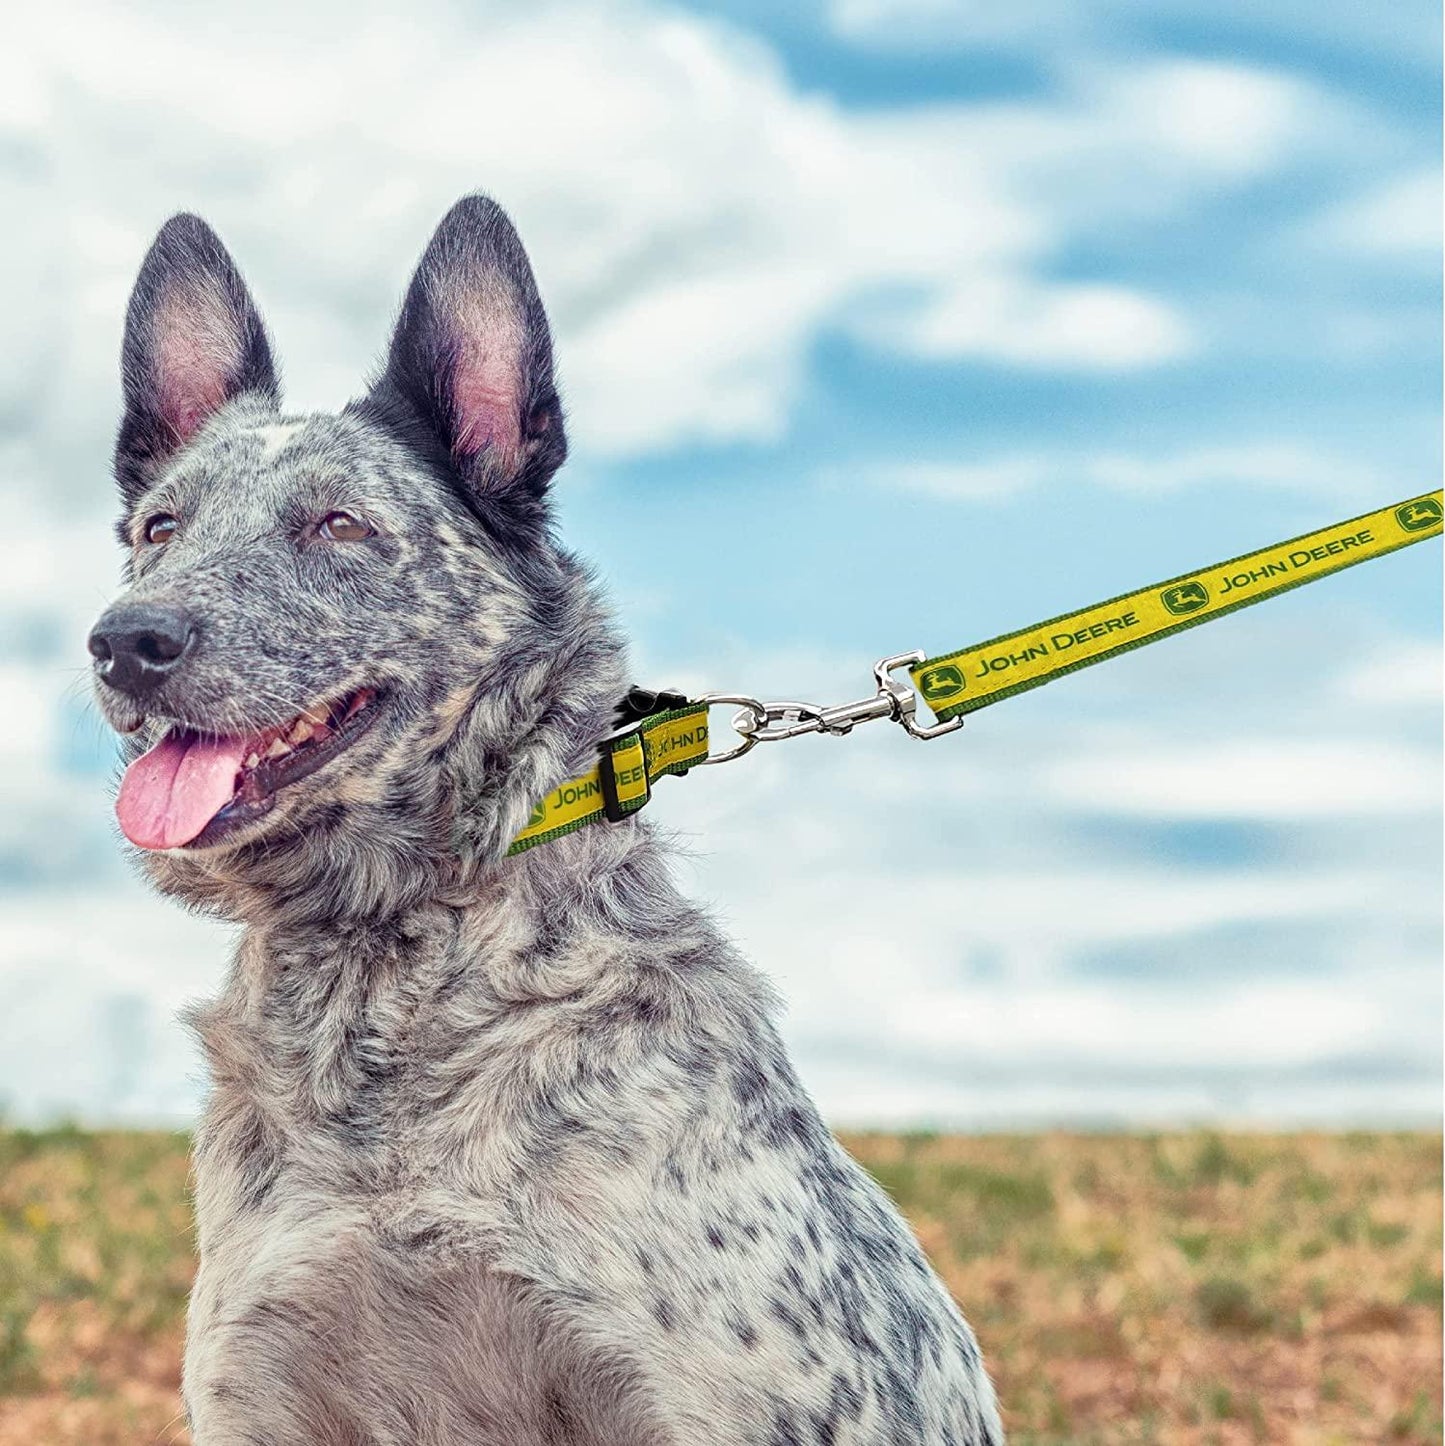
pixel 1128 1290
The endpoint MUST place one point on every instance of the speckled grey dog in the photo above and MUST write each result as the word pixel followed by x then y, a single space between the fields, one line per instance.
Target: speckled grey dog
pixel 498 1150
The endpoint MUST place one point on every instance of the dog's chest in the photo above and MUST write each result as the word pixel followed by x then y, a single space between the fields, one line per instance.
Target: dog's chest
pixel 385 1309
pixel 352 1221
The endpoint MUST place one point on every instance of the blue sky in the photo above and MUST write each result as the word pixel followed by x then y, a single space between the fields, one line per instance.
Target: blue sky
pixel 1068 296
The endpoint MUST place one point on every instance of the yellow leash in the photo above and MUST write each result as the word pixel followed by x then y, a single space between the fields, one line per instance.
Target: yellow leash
pixel 957 683
pixel 666 733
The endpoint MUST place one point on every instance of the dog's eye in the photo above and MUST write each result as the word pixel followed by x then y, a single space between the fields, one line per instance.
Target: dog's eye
pixel 343 527
pixel 161 528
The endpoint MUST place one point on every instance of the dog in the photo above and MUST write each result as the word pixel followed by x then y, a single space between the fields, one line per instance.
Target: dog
pixel 497 1149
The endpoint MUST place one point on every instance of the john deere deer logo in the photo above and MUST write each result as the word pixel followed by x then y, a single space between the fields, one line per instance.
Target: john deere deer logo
pixel 538 814
pixel 1184 597
pixel 1417 516
pixel 940 682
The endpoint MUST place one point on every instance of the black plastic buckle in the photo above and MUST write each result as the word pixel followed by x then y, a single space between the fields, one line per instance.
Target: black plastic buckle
pixel 639 705
pixel 642 703
pixel 612 809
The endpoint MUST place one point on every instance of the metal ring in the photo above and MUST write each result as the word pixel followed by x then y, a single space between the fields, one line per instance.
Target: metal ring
pixel 750 740
pixel 805 718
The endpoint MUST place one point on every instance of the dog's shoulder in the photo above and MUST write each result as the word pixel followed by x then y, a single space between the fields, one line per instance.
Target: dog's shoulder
pixel 682 1196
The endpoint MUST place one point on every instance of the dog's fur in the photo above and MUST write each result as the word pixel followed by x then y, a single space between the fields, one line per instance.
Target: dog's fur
pixel 497 1150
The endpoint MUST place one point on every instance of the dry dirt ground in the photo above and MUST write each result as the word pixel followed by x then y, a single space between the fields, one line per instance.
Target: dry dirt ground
pixel 1184 1288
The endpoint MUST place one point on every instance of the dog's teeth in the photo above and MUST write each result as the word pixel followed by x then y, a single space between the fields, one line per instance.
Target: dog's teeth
pixel 279 748
pixel 315 715
pixel 301 729
pixel 252 759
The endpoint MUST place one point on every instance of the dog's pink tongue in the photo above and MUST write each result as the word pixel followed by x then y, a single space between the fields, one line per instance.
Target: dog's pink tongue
pixel 171 793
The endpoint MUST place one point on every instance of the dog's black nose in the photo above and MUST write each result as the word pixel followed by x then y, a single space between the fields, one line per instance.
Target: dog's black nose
pixel 137 646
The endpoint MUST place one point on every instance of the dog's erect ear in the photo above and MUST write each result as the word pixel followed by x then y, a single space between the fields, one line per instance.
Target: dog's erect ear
pixel 472 355
pixel 193 341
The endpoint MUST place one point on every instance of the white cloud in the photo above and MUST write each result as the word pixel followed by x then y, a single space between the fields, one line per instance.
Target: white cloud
pixel 1278 779
pixel 1096 1020
pixel 1294 466
pixel 1092 328
pixel 695 219
pixel 1401 218
pixel 992 480
pixel 1283 464
pixel 870 1095
pixel 90 985
pixel 28 738
pixel 939 985
pixel 58 561
pixel 1402 674
pixel 1223 119
pixel 881 20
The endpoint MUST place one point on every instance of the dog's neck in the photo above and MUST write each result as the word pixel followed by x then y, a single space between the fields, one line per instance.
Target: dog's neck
pixel 511 918
pixel 349 1028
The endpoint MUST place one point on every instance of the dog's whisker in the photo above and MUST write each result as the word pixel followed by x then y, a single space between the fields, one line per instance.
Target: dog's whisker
pixel 168 1432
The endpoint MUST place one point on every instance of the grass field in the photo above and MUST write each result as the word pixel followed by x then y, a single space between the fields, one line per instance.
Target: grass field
pixel 1179 1288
